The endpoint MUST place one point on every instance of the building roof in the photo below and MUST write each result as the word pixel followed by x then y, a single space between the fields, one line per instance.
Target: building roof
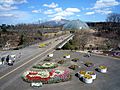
pixel 75 25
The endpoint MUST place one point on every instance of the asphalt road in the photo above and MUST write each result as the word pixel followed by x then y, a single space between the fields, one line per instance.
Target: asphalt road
pixel 30 55
pixel 108 81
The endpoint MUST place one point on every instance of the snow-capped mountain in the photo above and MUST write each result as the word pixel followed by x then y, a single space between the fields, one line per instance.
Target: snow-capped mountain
pixel 55 22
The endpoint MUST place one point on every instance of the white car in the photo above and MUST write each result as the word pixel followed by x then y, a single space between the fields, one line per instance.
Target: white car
pixel 36 84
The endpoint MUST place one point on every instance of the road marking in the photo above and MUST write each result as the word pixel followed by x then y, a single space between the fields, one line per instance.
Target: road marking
pixel 24 64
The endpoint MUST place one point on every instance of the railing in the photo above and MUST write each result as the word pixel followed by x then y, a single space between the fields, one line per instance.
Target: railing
pixel 59 46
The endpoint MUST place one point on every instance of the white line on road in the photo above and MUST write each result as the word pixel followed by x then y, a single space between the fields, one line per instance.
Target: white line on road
pixel 24 64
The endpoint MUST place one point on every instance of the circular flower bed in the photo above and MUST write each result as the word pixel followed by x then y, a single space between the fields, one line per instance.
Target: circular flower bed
pixel 87 78
pixel 92 74
pixel 102 69
pixel 81 73
pixel 47 77
pixel 47 65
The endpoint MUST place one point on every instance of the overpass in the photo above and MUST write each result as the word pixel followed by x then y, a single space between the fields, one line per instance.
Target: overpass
pixel 58 47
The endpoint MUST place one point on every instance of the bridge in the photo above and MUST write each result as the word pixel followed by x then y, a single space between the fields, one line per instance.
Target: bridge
pixel 58 47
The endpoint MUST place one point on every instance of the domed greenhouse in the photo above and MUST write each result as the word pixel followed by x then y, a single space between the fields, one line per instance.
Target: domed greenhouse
pixel 75 25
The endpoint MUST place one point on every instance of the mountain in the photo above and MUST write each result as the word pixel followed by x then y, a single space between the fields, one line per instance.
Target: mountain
pixel 55 22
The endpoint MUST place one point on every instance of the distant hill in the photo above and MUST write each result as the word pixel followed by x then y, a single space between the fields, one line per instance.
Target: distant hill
pixel 55 23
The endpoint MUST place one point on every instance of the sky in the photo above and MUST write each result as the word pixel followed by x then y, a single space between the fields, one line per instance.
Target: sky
pixel 32 11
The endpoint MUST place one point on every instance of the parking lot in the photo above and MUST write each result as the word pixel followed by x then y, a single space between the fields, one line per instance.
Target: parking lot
pixel 107 81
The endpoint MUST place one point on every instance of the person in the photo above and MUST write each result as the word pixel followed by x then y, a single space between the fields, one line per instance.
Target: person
pixel 7 59
pixel 20 54
pixel 2 60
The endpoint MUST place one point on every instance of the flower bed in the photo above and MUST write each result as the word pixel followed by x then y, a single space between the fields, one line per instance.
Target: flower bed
pixel 89 64
pixel 92 74
pixel 61 62
pixel 75 59
pixel 48 59
pixel 47 77
pixel 81 73
pixel 102 69
pixel 73 67
pixel 87 76
pixel 42 45
pixel 47 65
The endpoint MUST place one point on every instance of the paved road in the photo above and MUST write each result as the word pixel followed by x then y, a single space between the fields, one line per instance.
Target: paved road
pixel 35 54
pixel 108 81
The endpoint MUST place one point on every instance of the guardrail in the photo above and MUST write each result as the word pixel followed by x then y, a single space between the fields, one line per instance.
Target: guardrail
pixel 59 46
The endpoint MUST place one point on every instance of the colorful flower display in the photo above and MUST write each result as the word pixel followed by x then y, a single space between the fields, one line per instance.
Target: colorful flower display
pixel 47 77
pixel 87 76
pixel 47 65
pixel 102 69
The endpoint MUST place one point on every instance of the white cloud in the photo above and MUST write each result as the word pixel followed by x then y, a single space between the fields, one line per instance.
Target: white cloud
pixel 90 13
pixel 7 15
pixel 6 7
pixel 52 5
pixel 36 11
pixel 13 1
pixel 62 14
pixel 105 11
pixel 72 10
pixel 103 6
pixel 57 18
pixel 58 9
pixel 14 14
pixel 48 12
pixel 105 3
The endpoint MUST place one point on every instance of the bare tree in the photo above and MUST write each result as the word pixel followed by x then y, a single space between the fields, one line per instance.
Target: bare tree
pixel 113 17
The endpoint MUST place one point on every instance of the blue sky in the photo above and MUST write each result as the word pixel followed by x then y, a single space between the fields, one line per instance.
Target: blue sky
pixel 30 11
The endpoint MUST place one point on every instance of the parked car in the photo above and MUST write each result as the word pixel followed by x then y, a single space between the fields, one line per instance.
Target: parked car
pixel 87 55
pixel 10 62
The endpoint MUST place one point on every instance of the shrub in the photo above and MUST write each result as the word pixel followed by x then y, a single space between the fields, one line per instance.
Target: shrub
pixel 89 64
pixel 48 59
pixel 61 62
pixel 73 67
pixel 75 59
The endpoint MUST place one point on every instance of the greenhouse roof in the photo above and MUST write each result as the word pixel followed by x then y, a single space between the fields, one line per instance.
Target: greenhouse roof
pixel 75 25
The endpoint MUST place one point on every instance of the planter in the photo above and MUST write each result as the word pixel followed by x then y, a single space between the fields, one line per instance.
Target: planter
pixel 81 74
pixel 50 55
pixel 67 56
pixel 87 78
pixel 73 67
pixel 89 64
pixel 34 84
pixel 102 69
pixel 92 74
